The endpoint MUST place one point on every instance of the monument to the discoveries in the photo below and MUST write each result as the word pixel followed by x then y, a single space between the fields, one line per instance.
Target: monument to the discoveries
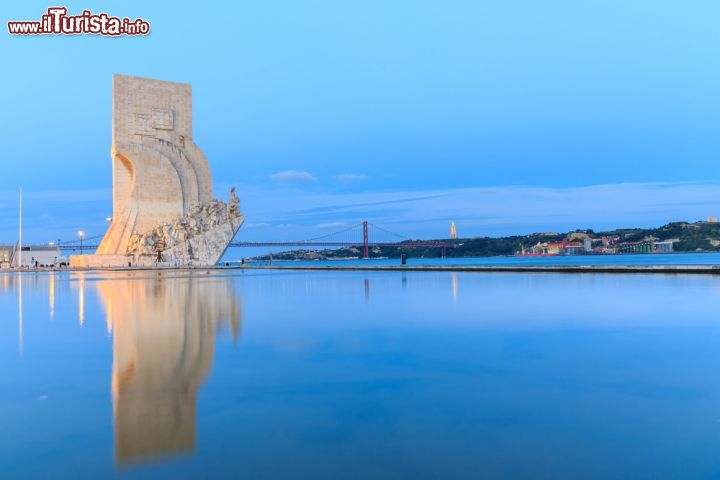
pixel 163 207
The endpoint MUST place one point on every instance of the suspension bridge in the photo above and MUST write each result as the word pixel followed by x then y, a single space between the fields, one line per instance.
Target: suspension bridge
pixel 363 235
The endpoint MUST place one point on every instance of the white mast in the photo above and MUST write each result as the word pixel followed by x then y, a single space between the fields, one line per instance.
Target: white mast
pixel 20 234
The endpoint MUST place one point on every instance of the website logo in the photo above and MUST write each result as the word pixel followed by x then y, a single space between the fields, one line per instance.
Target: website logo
pixel 57 22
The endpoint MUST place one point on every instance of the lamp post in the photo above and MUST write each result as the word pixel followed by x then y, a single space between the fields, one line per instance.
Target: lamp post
pixel 81 234
pixel 20 234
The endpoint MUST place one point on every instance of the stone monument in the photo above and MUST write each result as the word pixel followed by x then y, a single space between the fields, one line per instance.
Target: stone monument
pixel 164 212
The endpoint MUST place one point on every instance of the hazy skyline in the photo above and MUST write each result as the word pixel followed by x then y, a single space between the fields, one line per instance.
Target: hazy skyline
pixel 509 118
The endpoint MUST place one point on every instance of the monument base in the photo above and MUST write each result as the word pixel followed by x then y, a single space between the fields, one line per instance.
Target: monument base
pixel 203 250
pixel 104 261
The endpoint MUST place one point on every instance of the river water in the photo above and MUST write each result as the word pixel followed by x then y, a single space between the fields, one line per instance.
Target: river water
pixel 553 260
pixel 264 374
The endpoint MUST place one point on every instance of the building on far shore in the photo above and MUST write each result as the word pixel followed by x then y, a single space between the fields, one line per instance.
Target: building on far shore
pixel 32 256
pixel 662 247
pixel 575 250
pixel 605 245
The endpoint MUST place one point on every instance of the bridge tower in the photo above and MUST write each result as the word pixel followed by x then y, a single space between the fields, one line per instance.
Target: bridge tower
pixel 366 251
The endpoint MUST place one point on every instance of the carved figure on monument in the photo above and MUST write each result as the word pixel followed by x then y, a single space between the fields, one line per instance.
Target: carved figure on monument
pixel 233 204
pixel 134 243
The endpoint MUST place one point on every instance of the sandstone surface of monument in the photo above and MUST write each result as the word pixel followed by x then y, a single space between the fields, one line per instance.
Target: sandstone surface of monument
pixel 164 212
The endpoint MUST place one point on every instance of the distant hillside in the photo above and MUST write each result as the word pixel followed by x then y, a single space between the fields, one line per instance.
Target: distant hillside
pixel 686 237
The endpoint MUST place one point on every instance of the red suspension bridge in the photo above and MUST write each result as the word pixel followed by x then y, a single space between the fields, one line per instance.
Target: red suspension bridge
pixel 363 235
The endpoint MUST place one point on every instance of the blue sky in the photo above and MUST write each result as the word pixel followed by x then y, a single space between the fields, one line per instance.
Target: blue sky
pixel 509 117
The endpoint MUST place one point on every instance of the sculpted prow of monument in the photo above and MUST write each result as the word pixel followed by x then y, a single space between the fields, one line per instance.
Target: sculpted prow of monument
pixel 164 211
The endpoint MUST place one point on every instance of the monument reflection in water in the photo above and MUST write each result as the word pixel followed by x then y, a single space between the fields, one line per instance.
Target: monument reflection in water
pixel 163 346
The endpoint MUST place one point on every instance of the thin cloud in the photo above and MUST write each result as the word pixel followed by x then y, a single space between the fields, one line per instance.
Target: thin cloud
pixel 334 208
pixel 293 176
pixel 332 225
pixel 350 177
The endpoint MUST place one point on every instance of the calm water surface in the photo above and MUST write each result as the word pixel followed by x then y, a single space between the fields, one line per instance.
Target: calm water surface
pixel 243 374
pixel 625 259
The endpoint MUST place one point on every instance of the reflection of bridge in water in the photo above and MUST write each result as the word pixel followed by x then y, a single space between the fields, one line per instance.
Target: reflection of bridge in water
pixel 363 235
